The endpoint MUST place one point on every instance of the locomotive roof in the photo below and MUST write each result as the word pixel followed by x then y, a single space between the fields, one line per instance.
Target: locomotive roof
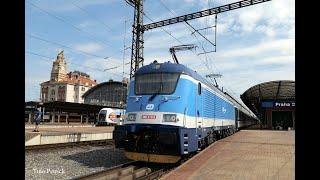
pixel 169 68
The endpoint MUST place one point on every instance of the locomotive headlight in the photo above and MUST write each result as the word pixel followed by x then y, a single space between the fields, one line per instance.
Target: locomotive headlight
pixel 132 117
pixel 170 118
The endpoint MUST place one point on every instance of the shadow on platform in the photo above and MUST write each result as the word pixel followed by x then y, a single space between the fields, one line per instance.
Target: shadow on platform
pixel 107 157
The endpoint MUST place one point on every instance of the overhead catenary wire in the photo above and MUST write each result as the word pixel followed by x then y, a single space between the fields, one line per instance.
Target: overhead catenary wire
pixel 166 31
pixel 51 14
pixel 207 64
pixel 64 46
pixel 92 16
pixel 192 30
pixel 51 58
pixel 172 12
pixel 65 21
pixel 73 26
pixel 225 83
pixel 188 25
pixel 68 47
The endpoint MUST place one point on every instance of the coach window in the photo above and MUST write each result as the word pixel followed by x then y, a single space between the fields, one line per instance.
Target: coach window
pixel 199 88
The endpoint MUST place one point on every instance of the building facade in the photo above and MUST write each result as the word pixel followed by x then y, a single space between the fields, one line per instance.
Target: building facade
pixel 63 86
pixel 111 93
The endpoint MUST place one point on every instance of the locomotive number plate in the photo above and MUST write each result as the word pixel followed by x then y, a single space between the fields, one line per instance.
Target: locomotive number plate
pixel 149 116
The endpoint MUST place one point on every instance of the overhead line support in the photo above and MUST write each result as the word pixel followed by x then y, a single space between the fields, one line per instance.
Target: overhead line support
pixel 204 13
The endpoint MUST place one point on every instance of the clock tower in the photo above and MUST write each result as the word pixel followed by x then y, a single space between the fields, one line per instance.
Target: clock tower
pixel 59 68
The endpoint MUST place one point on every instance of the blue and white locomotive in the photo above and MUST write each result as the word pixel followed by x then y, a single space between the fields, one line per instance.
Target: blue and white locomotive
pixel 172 112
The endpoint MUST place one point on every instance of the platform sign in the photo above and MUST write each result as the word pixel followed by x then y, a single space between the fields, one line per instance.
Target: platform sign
pixel 272 104
pixel 267 104
pixel 284 104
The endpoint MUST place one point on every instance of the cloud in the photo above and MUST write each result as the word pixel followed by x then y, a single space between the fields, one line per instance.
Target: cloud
pixel 272 18
pixel 277 60
pixel 86 24
pixel 242 80
pixel 88 47
pixel 249 19
pixel 282 46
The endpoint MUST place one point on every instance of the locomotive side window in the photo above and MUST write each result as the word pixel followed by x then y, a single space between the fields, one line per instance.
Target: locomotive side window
pixel 199 88
pixel 156 83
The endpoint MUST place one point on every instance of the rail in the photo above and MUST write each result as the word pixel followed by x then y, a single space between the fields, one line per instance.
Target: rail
pixel 134 170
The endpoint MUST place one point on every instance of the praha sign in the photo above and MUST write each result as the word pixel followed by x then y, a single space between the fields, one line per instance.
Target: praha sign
pixel 284 104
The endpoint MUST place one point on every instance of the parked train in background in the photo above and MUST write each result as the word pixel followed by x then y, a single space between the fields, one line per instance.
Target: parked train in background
pixel 110 116
pixel 172 112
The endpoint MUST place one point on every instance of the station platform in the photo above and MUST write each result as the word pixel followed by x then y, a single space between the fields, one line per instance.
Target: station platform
pixel 248 154
pixel 57 125
pixel 66 134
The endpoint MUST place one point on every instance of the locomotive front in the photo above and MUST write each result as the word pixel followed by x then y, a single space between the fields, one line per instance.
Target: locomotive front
pixel 155 115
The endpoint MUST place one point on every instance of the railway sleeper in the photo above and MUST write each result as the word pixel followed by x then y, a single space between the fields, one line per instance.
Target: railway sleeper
pixel 126 177
pixel 153 175
pixel 136 174
pixel 127 173
pixel 141 172
pixel 115 174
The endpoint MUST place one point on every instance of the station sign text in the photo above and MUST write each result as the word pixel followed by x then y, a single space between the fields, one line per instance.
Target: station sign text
pixel 284 104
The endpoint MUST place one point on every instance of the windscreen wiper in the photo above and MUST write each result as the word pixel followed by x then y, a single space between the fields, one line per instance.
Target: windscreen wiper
pixel 155 94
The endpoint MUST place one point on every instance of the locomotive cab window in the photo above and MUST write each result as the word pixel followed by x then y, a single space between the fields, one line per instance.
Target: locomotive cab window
pixel 156 83
pixel 199 88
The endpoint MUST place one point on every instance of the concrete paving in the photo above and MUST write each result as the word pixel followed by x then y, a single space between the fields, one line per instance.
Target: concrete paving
pixel 248 154
pixel 49 135
pixel 71 129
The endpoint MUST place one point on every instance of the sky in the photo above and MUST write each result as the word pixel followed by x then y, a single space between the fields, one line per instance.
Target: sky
pixel 254 44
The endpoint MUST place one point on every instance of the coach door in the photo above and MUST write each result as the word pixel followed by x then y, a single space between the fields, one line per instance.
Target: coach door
pixel 236 119
pixel 199 115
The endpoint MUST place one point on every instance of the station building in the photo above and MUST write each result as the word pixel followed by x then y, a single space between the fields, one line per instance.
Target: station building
pixel 111 93
pixel 273 102
pixel 63 86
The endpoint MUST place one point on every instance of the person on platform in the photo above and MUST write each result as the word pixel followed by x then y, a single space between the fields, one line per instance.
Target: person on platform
pixel 37 118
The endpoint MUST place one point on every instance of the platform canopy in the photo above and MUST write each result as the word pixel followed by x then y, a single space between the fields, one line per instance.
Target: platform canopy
pixel 283 90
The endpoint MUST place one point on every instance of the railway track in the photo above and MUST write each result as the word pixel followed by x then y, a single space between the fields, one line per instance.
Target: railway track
pixel 127 171
pixel 137 170
pixel 71 144
pixel 134 170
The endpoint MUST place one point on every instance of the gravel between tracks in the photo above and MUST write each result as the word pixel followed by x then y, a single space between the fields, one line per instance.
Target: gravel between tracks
pixel 67 163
